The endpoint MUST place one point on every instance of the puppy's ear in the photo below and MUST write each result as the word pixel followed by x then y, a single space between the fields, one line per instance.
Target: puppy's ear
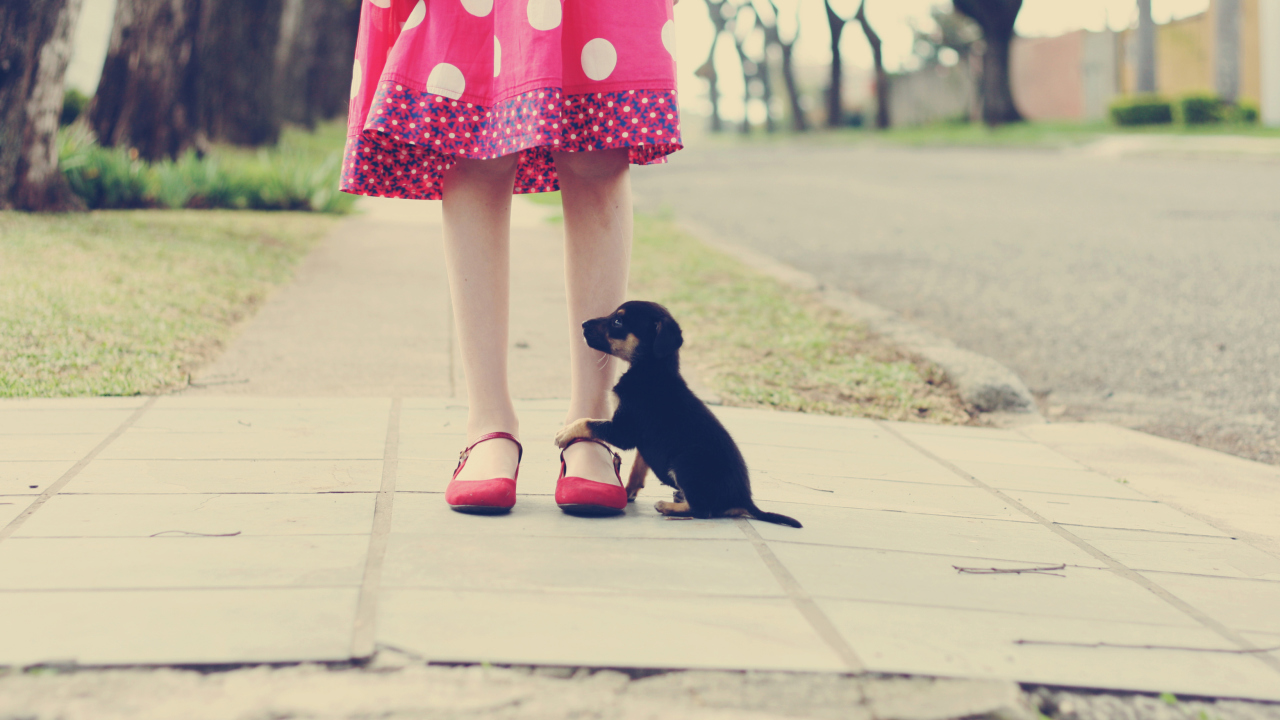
pixel 668 338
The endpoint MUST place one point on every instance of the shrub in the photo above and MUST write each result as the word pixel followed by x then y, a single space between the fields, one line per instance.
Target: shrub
pixel 1243 112
pixel 1142 110
pixel 73 104
pixel 1202 109
pixel 102 177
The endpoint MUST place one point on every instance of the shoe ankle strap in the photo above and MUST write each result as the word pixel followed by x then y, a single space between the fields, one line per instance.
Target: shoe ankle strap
pixel 617 459
pixel 466 452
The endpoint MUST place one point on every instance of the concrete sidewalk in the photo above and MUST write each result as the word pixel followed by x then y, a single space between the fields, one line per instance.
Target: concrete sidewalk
pixel 261 518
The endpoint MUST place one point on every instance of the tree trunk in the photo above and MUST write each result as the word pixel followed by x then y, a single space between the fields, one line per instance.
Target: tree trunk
pixel 313 59
pixel 35 47
pixel 996 18
pixel 147 98
pixel 1146 60
pixel 237 54
pixel 835 94
pixel 882 78
pixel 707 72
pixel 1226 61
pixel 773 36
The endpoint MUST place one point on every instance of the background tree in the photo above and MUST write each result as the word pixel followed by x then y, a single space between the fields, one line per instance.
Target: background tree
pixel 718 11
pixel 35 47
pixel 773 38
pixel 877 57
pixel 835 88
pixel 313 59
pixel 1146 61
pixel 148 95
pixel 1226 62
pixel 756 76
pixel 996 18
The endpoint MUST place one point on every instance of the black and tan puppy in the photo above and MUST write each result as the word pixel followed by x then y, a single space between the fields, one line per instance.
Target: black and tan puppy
pixel 678 437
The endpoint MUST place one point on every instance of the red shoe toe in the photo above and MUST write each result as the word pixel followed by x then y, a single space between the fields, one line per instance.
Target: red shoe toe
pixel 580 496
pixel 492 496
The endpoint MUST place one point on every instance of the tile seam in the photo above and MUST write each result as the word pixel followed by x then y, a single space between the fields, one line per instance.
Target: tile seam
pixel 802 601
pixel 364 629
pixel 9 529
pixel 1114 565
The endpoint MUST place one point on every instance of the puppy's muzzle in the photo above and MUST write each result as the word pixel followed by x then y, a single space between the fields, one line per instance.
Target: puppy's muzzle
pixel 593 331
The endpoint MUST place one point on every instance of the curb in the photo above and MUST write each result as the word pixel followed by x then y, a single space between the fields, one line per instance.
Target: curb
pixel 987 385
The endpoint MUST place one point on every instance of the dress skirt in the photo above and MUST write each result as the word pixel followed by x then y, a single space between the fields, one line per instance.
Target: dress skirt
pixel 436 80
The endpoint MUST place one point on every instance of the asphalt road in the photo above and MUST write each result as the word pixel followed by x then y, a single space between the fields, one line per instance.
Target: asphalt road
pixel 1141 291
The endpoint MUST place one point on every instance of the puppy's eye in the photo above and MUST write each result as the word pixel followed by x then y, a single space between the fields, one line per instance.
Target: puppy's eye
pixel 617 323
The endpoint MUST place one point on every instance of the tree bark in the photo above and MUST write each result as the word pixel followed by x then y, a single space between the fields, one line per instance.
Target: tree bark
pixel 1146 60
pixel 773 36
pixel 996 18
pixel 148 95
pixel 707 72
pixel 882 78
pixel 35 47
pixel 835 92
pixel 237 53
pixel 313 58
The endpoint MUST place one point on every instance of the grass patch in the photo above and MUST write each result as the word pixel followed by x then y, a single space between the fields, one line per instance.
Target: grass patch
pixel 759 343
pixel 123 303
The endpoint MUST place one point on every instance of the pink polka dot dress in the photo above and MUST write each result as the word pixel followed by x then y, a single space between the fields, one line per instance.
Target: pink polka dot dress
pixel 436 80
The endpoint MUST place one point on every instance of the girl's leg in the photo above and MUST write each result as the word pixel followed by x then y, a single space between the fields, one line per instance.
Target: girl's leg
pixel 477 232
pixel 596 191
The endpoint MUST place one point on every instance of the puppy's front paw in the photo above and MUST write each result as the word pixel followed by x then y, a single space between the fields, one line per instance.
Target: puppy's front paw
pixel 579 429
pixel 672 509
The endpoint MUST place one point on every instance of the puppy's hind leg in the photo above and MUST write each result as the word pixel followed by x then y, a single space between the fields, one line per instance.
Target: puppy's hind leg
pixel 671 509
pixel 635 481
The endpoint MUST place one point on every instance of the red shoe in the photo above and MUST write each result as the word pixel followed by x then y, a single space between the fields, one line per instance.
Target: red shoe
pixel 484 497
pixel 580 496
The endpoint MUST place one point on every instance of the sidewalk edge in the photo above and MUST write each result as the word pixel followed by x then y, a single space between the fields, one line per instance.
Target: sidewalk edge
pixel 984 383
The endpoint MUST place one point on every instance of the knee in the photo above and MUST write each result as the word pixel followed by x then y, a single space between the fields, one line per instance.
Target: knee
pixel 592 165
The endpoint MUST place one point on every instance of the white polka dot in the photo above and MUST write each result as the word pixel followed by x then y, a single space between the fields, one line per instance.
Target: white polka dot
pixel 669 37
pixel 598 59
pixel 544 14
pixel 497 56
pixel 479 8
pixel 357 76
pixel 381 3
pixel 417 16
pixel 446 80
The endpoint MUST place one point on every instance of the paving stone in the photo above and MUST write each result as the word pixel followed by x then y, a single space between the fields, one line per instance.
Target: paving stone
pixel 62 421
pixel 227 476
pixel 913 429
pixel 48 448
pixel 145 515
pixel 936 534
pixel 602 630
pixel 251 421
pixel 937 699
pixel 1107 512
pixel 72 403
pixel 11 506
pixel 883 463
pixel 1064 481
pixel 603 565
pixel 1252 605
pixel 176 626
pixel 368 444
pixel 966 501
pixel 979 644
pixel 962 450
pixel 181 562
pixel 17 478
pixel 908 579
pixel 1175 553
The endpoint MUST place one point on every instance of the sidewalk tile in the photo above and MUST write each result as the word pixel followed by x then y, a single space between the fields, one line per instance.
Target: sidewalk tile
pixel 258 402
pixel 602 630
pixel 1107 512
pixel 764 431
pixel 887 463
pixel 145 515
pixel 73 403
pixel 1053 480
pixel 1252 605
pixel 933 534
pixel 933 581
pixel 966 643
pixel 177 626
pixel 1192 554
pixel 250 421
pixel 735 417
pixel 181 562
pixel 539 517
pixel 963 432
pixel 967 501
pixel 366 444
pixel 17 478
pixel 551 564
pixel 48 448
pixel 61 422
pixel 962 451
pixel 11 506
pixel 227 476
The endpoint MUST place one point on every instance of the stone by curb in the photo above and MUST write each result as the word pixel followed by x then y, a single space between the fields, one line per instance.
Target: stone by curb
pixel 984 383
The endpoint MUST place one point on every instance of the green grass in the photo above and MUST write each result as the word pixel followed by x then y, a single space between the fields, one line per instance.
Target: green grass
pixel 122 303
pixel 759 343
pixel 299 173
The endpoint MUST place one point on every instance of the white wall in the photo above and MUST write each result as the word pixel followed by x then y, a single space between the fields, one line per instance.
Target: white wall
pixel 1269 19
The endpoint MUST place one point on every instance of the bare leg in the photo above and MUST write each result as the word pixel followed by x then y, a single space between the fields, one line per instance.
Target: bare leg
pixel 477 233
pixel 596 190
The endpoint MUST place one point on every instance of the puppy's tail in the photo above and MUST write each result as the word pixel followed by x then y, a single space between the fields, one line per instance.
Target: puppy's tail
pixel 776 518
